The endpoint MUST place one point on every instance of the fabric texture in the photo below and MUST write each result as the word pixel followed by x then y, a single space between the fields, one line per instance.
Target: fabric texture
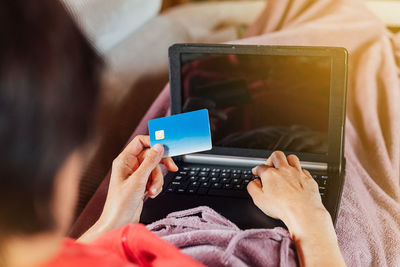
pixel 211 239
pixel 128 246
pixel 368 224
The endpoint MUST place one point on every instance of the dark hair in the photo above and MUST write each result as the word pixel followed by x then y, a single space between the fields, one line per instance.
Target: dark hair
pixel 49 80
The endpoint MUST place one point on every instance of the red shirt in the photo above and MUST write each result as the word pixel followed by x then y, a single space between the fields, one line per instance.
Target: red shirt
pixel 131 245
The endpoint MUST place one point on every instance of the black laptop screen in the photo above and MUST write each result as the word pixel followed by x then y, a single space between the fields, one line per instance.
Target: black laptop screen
pixel 267 102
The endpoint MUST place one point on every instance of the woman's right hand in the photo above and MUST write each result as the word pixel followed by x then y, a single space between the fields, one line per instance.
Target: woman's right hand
pixel 286 192
pixel 289 193
pixel 135 175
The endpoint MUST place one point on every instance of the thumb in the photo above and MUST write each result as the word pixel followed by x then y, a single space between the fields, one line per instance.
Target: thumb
pixel 151 160
pixel 254 188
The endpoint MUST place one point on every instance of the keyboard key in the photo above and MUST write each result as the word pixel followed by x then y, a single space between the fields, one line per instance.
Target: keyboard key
pixel 238 186
pixel 215 174
pixel 216 170
pixel 226 170
pixel 203 179
pixel 205 169
pixel 192 190
pixel 216 185
pixel 235 175
pixel 203 174
pixel 180 190
pixel 228 193
pixel 194 184
pixel 192 172
pixel 225 175
pixel 205 184
pixel 246 181
pixel 171 189
pixel 186 168
pixel 193 178
pixel 246 176
pixel 236 181
pixel 227 186
pixel 214 179
pixel 324 177
pixel 182 172
pixel 178 178
pixel 226 180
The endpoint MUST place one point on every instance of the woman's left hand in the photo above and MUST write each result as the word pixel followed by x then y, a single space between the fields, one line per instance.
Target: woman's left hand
pixel 135 175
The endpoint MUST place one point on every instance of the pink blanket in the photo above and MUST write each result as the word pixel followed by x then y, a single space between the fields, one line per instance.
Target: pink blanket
pixel 368 224
pixel 211 239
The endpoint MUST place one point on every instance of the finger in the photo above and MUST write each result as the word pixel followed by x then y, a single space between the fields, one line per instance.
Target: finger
pixel 307 173
pixel 170 164
pixel 254 188
pixel 279 159
pixel 126 162
pixel 310 180
pixel 151 160
pixel 294 161
pixel 269 161
pixel 260 169
pixel 156 182
pixel 136 146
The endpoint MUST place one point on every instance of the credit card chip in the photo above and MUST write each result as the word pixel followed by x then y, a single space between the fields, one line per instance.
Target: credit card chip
pixel 160 135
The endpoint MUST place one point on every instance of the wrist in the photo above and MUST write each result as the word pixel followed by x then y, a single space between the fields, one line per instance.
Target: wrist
pixel 311 222
pixel 315 239
pixel 97 230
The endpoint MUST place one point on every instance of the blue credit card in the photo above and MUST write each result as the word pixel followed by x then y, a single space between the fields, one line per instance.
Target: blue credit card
pixel 182 134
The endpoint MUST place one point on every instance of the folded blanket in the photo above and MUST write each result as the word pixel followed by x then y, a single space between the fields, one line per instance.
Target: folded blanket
pixel 213 240
pixel 368 224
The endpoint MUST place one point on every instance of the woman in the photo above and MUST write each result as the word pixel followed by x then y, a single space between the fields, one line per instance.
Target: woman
pixel 49 79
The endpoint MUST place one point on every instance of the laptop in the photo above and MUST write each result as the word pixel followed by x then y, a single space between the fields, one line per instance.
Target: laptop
pixel 260 99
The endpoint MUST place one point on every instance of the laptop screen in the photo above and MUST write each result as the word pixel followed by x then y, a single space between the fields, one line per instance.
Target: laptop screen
pixel 267 102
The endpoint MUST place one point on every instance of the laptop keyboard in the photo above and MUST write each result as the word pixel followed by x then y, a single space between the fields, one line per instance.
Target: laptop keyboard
pixel 223 182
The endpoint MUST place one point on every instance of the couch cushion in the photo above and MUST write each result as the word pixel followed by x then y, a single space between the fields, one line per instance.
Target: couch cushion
pixel 107 22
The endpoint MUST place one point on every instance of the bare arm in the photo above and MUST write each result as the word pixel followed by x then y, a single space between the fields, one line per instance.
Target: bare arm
pixel 289 193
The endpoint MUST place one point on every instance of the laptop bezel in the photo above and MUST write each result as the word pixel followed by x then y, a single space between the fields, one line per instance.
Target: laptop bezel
pixel 337 106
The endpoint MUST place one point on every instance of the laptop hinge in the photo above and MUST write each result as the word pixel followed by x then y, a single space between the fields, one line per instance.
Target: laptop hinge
pixel 245 162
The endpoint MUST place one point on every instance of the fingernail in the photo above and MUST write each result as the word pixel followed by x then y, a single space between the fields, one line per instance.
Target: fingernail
pixel 153 191
pixel 254 169
pixel 158 147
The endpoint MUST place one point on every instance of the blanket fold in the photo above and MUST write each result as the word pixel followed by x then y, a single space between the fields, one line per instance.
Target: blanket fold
pixel 213 240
